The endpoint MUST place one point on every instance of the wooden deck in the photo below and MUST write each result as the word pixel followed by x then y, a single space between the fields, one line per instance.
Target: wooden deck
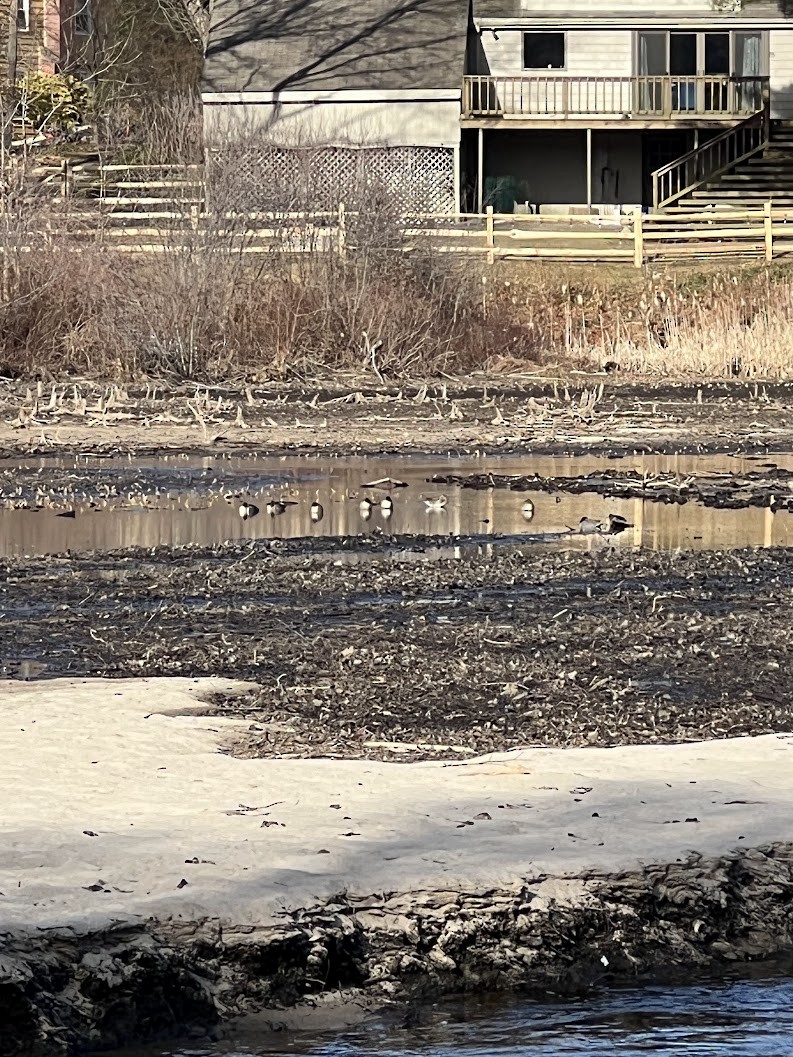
pixel 645 101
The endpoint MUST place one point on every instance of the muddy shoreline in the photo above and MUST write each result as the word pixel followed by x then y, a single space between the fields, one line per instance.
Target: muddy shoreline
pixel 546 415
pixel 154 887
pixel 340 849
pixel 66 993
pixel 604 647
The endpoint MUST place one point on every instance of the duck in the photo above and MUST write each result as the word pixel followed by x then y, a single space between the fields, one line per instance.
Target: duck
pixel 589 525
pixel 435 504
pixel 247 510
pixel 387 506
pixel 618 523
pixel 366 506
pixel 527 510
pixel 275 507
pixel 317 511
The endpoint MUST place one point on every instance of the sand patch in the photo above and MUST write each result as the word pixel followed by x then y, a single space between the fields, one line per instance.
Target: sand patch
pixel 114 796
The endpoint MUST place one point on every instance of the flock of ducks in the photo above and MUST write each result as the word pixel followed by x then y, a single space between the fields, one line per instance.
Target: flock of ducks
pixel 276 507
pixel 614 524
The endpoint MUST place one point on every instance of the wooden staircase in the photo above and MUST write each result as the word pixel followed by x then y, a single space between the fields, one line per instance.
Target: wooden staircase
pixel 766 176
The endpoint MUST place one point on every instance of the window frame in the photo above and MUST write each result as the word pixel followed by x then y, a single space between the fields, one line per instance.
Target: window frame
pixel 701 33
pixel 23 16
pixel 544 33
pixel 83 23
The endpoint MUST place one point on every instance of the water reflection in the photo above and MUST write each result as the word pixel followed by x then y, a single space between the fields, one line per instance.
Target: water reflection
pixel 176 501
pixel 738 1019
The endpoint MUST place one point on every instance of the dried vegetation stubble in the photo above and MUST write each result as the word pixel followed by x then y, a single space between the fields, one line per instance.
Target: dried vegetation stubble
pixel 481 655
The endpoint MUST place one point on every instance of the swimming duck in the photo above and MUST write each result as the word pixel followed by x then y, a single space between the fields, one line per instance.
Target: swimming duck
pixel 435 504
pixel 247 510
pixel 317 511
pixel 387 506
pixel 275 507
pixel 365 507
pixel 589 525
pixel 527 510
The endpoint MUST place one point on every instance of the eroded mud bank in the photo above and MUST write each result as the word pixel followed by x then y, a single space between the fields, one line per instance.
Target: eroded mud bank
pixel 64 992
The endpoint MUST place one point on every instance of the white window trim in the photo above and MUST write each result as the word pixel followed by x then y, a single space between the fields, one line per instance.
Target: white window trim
pixel 23 10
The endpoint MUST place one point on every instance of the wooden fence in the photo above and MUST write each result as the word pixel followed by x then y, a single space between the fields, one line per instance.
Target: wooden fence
pixel 162 208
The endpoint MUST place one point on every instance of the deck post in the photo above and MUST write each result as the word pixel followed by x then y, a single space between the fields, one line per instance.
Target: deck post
pixel 638 237
pixel 458 190
pixel 589 168
pixel 480 172
pixel 768 228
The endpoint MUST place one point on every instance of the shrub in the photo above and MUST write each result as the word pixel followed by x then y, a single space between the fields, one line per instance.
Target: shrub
pixel 57 102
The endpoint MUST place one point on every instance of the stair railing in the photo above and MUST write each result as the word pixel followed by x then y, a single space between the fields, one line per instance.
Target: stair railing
pixel 711 159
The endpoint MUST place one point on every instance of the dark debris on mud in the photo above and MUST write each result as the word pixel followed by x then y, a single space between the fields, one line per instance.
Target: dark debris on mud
pixel 403 660
pixel 770 486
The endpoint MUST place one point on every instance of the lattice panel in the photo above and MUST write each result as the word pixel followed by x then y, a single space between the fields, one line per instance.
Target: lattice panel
pixel 415 179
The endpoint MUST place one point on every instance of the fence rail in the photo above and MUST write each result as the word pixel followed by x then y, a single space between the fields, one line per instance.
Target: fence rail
pixel 638 239
pixel 159 209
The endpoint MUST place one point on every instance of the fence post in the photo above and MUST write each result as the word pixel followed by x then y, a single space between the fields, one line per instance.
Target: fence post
pixel 768 226
pixel 490 233
pixel 66 178
pixel 638 237
pixel 342 232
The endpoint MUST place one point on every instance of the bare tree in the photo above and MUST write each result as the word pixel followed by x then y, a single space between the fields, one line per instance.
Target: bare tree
pixel 188 17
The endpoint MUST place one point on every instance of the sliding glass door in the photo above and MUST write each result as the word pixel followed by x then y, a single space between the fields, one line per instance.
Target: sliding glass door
pixel 748 67
pixel 700 72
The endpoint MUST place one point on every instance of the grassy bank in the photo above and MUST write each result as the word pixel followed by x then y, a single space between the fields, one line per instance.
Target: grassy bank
pixel 204 310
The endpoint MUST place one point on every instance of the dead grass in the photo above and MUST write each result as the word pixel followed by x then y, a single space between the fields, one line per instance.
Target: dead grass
pixel 678 322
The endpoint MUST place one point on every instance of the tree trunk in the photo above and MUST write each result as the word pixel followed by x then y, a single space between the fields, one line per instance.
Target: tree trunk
pixel 11 47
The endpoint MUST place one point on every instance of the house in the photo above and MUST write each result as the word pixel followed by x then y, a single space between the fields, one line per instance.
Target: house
pixel 51 35
pixel 581 108
pixel 598 105
pixel 343 84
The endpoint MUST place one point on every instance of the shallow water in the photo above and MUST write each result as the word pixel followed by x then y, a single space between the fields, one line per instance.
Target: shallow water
pixel 106 504
pixel 738 1019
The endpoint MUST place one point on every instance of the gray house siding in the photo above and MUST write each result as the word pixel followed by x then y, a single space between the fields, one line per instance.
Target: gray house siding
pixel 382 77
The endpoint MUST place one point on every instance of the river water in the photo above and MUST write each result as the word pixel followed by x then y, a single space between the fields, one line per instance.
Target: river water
pixel 745 1018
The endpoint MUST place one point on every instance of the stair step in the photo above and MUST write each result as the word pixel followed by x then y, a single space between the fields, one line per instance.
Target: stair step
pixel 756 177
pixel 747 185
pixel 748 193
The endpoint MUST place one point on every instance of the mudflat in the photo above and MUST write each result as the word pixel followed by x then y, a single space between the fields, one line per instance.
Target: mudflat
pixel 547 410
pixel 440 723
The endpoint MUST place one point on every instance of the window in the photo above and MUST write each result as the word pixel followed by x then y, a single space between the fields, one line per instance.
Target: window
pixel 82 17
pixel 708 53
pixel 23 15
pixel 543 51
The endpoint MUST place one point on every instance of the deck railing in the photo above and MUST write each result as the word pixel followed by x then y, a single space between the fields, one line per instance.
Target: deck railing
pixel 710 159
pixel 663 98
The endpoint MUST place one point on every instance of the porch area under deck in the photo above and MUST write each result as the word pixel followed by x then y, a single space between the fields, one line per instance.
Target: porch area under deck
pixel 584 141
pixel 568 169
